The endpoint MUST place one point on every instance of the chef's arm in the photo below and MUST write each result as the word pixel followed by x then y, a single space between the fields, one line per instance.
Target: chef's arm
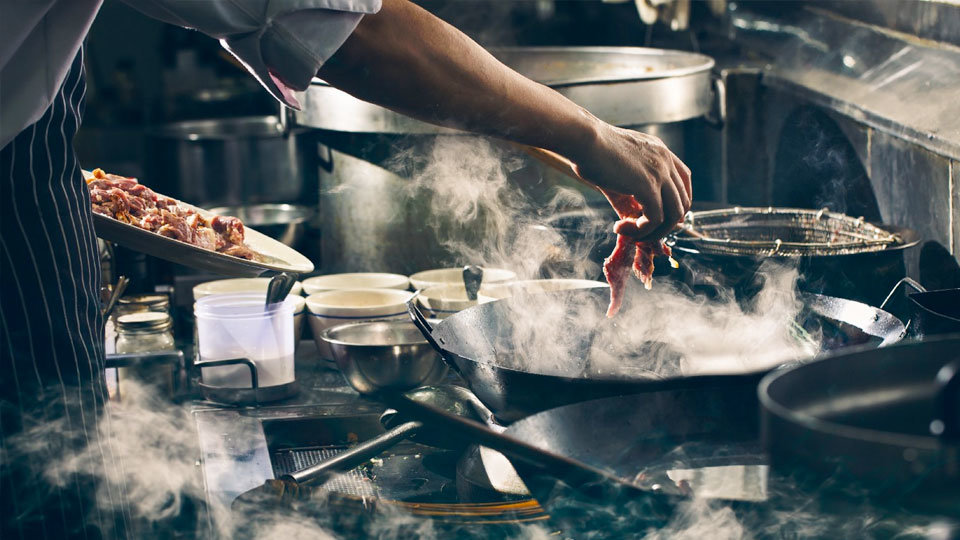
pixel 407 60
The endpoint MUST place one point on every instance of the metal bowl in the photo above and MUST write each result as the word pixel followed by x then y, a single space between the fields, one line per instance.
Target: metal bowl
pixel 284 222
pixel 387 355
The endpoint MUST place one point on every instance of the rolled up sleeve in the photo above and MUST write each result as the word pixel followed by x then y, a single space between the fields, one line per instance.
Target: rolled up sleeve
pixel 281 42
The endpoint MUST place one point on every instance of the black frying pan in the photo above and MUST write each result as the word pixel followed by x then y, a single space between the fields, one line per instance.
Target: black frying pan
pixel 478 344
pixel 886 419
pixel 674 461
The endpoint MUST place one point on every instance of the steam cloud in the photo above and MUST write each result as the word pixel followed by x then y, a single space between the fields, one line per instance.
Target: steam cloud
pixel 485 219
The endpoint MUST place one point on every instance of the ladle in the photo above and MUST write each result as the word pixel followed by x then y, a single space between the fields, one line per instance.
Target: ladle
pixel 279 287
pixel 472 278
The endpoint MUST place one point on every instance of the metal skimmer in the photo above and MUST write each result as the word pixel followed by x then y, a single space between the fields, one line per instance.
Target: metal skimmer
pixel 783 232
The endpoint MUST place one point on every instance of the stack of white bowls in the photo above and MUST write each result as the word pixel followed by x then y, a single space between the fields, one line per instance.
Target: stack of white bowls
pixel 336 299
pixel 489 293
pixel 442 292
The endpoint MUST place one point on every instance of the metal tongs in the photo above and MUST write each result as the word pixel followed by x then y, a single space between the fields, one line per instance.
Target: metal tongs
pixel 115 294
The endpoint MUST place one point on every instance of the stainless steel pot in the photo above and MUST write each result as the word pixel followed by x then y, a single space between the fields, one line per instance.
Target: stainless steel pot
pixel 626 86
pixel 232 161
pixel 284 222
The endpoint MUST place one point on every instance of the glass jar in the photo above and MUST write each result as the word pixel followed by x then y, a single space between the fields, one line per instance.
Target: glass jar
pixel 159 303
pixel 146 332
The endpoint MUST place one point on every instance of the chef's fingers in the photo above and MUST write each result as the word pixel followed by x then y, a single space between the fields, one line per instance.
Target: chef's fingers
pixel 681 191
pixel 651 201
pixel 637 229
pixel 645 229
pixel 673 210
pixel 685 176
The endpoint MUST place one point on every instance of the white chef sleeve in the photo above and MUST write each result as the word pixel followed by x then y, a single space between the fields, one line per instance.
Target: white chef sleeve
pixel 281 42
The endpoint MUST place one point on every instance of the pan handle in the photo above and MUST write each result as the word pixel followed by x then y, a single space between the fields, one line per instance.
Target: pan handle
pixel 903 283
pixel 910 282
pixel 423 325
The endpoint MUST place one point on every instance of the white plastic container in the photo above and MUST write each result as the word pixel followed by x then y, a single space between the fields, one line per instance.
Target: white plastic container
pixel 331 308
pixel 240 326
pixel 256 285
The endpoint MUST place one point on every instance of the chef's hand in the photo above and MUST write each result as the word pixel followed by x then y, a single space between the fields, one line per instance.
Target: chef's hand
pixel 626 163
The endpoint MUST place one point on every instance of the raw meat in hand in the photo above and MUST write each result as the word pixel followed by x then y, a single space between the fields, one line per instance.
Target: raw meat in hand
pixel 629 253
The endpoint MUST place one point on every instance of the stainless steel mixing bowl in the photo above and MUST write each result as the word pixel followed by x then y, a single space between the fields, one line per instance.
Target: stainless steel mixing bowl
pixel 386 355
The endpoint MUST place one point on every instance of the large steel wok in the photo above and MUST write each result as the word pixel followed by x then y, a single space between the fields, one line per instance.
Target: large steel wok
pixel 482 345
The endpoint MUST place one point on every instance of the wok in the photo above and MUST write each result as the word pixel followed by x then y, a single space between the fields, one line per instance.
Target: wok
pixel 481 345
pixel 664 460
pixel 886 420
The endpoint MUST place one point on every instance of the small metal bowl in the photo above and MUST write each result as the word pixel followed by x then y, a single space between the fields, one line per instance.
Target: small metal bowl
pixel 384 355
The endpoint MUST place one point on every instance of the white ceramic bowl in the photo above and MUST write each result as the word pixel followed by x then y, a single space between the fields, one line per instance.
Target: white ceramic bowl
pixel 357 280
pixel 443 301
pixel 239 285
pixel 331 308
pixel 447 276
pixel 489 293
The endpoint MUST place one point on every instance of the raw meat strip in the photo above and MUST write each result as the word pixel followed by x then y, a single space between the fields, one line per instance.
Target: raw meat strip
pixel 629 253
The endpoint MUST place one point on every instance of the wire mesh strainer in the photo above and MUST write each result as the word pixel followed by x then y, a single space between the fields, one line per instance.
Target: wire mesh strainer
pixel 782 232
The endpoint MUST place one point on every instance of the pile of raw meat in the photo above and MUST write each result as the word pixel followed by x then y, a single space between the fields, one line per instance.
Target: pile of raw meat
pixel 126 200
pixel 628 253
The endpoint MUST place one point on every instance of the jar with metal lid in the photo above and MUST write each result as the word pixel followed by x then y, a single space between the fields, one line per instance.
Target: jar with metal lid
pixel 136 303
pixel 146 332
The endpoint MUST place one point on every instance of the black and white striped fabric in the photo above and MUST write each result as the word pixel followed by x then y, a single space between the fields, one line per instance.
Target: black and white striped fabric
pixel 52 388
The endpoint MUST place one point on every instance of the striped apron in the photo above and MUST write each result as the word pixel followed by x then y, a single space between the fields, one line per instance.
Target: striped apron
pixel 52 388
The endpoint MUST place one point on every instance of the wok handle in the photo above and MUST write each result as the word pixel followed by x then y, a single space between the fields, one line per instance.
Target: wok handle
pixel 947 404
pixel 423 325
pixel 910 282
pixel 546 461
pixel 348 459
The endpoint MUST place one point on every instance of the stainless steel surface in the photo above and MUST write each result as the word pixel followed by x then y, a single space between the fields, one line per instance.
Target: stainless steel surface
pixel 284 222
pixel 783 232
pixel 275 256
pixel 378 356
pixel 626 86
pixel 891 82
pixel 232 161
pixel 937 20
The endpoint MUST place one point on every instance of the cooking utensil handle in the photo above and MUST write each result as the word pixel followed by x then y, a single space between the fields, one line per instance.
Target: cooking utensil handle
pixel 279 287
pixel 422 324
pixel 574 472
pixel 947 402
pixel 348 459
pixel 717 115
pixel 126 359
pixel 910 282
pixel 254 381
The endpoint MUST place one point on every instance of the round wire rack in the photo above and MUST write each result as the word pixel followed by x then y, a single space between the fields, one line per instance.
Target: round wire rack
pixel 783 232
